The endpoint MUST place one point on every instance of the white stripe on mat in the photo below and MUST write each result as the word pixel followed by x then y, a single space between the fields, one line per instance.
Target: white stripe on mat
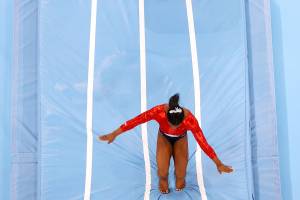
pixel 189 8
pixel 89 108
pixel 144 97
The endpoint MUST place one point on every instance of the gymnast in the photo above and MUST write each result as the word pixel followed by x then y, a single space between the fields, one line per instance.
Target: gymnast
pixel 174 122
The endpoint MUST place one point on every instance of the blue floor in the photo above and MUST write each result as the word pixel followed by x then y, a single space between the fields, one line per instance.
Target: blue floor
pixel 49 87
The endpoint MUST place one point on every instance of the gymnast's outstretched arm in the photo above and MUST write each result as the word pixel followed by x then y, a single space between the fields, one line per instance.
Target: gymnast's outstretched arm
pixel 130 124
pixel 201 140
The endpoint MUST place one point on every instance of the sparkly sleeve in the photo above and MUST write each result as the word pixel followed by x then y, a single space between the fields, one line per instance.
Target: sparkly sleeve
pixel 140 119
pixel 193 126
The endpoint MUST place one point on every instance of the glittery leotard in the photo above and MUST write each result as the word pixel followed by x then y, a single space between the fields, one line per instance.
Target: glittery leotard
pixel 189 123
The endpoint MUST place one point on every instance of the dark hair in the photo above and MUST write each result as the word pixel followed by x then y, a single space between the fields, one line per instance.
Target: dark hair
pixel 175 113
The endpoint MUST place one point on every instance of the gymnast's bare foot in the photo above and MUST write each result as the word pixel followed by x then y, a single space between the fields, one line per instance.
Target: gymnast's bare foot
pixel 180 184
pixel 163 186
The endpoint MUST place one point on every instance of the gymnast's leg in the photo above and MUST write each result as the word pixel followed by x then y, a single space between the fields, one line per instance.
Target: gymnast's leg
pixel 163 155
pixel 180 155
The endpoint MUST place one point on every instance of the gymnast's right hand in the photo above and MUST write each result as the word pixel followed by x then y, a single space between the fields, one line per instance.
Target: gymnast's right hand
pixel 108 137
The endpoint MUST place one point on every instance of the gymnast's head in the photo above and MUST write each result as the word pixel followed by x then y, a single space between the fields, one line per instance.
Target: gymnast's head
pixel 175 112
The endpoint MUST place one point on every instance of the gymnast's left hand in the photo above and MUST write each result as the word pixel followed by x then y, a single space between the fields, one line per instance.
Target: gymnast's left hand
pixel 108 137
pixel 221 167
pixel 224 168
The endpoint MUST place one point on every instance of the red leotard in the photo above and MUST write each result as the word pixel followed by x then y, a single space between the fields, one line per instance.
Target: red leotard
pixel 158 114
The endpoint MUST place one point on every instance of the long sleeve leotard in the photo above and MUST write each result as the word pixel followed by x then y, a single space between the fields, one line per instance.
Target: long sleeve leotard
pixel 189 123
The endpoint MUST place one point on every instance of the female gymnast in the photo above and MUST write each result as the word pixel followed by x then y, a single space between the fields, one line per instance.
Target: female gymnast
pixel 174 122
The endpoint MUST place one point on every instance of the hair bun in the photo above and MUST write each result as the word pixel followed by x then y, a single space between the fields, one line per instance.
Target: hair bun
pixel 174 101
